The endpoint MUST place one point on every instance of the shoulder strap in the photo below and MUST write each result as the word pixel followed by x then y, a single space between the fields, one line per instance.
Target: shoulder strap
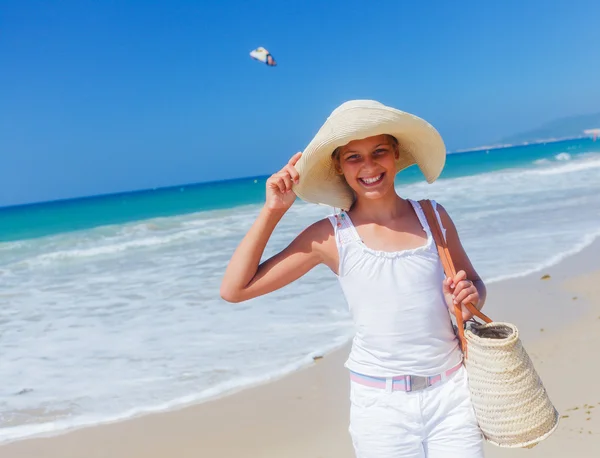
pixel 345 232
pixel 449 268
pixel 418 205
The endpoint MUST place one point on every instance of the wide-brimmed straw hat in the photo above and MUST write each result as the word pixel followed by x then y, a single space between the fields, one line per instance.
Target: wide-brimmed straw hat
pixel 419 143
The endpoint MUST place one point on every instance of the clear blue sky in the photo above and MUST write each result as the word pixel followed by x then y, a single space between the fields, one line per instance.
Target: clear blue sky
pixel 107 96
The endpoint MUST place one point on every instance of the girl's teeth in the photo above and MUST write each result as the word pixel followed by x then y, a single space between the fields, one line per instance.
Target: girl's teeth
pixel 371 180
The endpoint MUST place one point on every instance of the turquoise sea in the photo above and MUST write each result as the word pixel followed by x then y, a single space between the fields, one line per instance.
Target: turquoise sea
pixel 110 306
pixel 67 215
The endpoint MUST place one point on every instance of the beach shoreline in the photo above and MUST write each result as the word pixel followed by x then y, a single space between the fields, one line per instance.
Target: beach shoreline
pixel 305 413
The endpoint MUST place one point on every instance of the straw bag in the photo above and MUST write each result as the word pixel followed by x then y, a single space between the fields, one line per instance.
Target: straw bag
pixel 509 399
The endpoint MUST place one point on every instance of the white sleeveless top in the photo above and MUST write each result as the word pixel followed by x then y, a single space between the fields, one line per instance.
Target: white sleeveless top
pixel 402 323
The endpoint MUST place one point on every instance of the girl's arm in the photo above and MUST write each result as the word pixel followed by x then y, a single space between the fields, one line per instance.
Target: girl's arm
pixel 463 291
pixel 245 277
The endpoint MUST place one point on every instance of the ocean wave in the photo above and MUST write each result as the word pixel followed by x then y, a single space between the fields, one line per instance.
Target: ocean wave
pixel 572 166
pixel 563 157
pixel 115 245
pixel 586 241
pixel 61 426
pixel 583 163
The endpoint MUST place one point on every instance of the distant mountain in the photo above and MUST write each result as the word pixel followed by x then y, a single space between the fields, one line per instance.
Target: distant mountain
pixel 572 126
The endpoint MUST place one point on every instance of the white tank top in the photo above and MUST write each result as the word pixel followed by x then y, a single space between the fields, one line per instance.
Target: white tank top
pixel 402 323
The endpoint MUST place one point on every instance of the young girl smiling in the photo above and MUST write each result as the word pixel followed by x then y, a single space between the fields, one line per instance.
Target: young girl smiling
pixel 409 394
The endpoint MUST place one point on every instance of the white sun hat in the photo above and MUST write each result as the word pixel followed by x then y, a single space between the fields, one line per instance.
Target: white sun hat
pixel 419 143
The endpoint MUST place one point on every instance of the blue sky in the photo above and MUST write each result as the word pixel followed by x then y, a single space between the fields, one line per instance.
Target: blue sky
pixel 100 97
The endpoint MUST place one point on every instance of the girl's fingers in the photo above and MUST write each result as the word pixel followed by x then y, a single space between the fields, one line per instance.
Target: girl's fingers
pixel 472 298
pixel 447 283
pixel 280 184
pixel 288 173
pixel 287 181
pixel 293 173
pixel 272 182
pixel 295 158
pixel 461 297
pixel 460 287
pixel 460 276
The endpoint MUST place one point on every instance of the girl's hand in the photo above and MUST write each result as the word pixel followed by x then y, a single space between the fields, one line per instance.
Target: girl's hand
pixel 459 290
pixel 279 186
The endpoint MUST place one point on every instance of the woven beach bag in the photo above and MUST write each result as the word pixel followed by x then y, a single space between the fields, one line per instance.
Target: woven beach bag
pixel 511 404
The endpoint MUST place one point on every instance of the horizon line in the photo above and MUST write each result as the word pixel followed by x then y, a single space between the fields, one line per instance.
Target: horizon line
pixel 224 180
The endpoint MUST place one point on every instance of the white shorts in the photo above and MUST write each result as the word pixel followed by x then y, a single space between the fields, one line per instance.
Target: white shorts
pixel 436 422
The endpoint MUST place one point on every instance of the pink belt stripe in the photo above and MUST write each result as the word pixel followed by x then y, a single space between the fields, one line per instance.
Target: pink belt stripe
pixel 398 382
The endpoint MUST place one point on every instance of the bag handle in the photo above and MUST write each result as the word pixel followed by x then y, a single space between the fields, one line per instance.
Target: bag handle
pixel 449 269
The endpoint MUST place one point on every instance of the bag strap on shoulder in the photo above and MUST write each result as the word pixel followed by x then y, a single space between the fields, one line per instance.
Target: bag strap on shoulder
pixel 449 268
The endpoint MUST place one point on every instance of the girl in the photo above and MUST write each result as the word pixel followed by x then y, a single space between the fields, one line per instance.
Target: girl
pixel 409 394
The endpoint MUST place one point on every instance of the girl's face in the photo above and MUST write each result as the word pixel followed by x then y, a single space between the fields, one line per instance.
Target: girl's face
pixel 369 165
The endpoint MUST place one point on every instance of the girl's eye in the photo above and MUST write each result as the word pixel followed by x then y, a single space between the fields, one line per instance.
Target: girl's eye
pixel 380 151
pixel 352 157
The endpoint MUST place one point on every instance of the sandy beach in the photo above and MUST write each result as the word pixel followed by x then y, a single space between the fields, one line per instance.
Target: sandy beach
pixel 305 414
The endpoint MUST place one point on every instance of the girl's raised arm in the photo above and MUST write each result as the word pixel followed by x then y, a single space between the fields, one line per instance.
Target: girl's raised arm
pixel 244 278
